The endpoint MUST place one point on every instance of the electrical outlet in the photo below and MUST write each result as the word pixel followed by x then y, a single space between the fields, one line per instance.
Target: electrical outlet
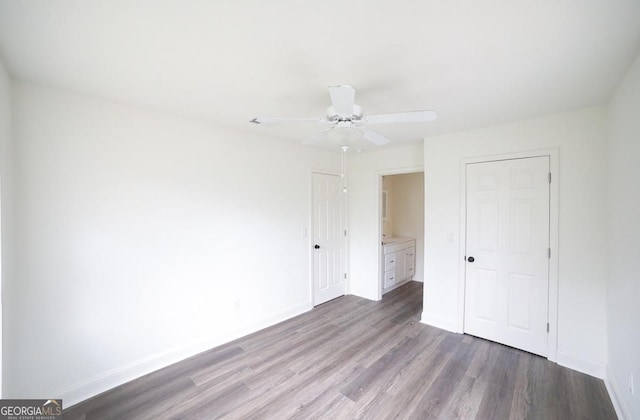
pixel 631 390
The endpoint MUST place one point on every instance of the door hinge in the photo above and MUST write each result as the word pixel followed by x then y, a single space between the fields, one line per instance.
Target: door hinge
pixel 547 327
pixel 345 232
pixel 345 275
pixel 549 177
pixel 549 252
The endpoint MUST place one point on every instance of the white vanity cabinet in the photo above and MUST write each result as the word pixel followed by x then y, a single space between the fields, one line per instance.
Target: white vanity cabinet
pixel 399 262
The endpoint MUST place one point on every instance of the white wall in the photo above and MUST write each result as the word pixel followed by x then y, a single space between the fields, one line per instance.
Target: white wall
pixel 364 178
pixel 144 238
pixel 5 192
pixel 580 137
pixel 407 212
pixel 623 269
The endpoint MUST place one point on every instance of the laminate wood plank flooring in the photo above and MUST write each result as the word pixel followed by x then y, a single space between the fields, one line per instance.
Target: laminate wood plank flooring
pixel 351 358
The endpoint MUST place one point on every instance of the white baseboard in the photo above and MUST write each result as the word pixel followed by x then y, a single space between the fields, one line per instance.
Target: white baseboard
pixel 615 392
pixel 599 370
pixel 441 323
pixel 123 374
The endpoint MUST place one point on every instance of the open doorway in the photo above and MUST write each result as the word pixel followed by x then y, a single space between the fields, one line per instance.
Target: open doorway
pixel 402 230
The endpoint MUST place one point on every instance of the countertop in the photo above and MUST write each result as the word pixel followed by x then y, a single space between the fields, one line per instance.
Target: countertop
pixel 394 240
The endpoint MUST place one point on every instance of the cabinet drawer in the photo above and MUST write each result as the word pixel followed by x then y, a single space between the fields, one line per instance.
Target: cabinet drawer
pixel 389 262
pixel 410 262
pixel 389 279
pixel 410 253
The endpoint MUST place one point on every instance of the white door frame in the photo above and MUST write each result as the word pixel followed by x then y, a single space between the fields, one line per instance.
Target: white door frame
pixel 553 154
pixel 310 239
pixel 395 171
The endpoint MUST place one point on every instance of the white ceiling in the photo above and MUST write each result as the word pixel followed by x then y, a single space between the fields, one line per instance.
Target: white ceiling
pixel 476 63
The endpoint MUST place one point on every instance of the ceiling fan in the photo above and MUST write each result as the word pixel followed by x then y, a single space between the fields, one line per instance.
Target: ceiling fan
pixel 344 114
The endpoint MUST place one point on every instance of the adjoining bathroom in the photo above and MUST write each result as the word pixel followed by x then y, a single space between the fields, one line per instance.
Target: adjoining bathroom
pixel 402 229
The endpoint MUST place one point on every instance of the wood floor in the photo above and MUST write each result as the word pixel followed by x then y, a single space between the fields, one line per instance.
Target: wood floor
pixel 356 359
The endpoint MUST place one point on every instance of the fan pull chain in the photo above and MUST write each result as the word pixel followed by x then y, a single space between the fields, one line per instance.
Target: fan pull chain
pixel 343 175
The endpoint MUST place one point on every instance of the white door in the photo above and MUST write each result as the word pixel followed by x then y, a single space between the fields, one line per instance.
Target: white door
pixel 329 238
pixel 507 268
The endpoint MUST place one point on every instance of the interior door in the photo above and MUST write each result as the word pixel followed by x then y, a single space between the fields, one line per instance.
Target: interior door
pixel 329 269
pixel 507 252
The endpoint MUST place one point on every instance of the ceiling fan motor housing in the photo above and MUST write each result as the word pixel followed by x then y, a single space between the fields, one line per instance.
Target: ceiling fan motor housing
pixel 333 116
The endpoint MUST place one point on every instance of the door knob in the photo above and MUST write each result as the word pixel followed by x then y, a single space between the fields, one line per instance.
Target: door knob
pixel 316 246
pixel 471 259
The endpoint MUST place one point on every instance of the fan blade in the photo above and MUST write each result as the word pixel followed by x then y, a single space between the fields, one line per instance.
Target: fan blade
pixel 342 97
pixel 401 117
pixel 318 137
pixel 276 120
pixel 373 136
